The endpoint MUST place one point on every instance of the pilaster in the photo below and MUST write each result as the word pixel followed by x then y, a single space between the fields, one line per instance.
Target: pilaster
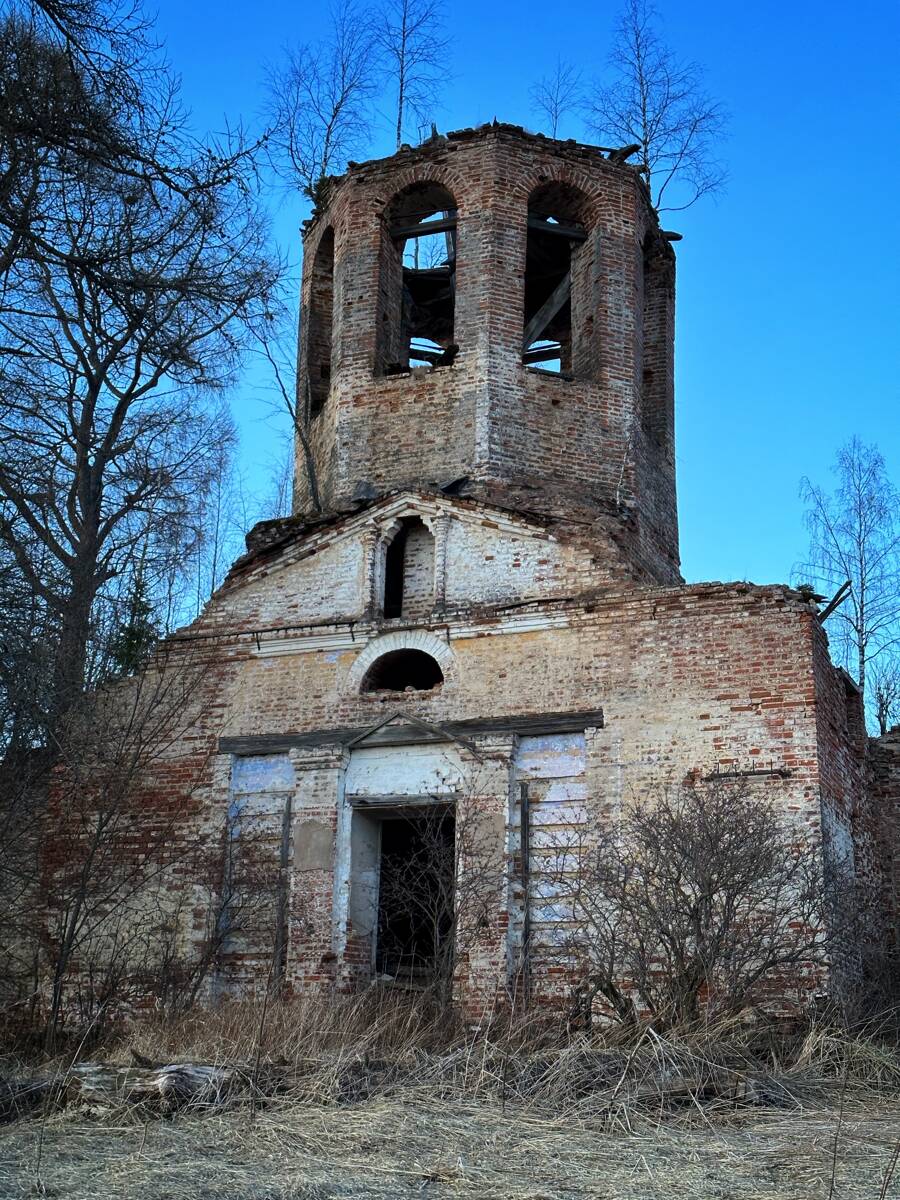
pixel 318 866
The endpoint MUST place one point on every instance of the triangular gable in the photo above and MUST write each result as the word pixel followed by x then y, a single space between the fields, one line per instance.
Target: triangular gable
pixel 312 540
pixel 375 734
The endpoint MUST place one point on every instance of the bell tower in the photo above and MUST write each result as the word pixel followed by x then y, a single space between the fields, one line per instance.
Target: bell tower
pixel 491 315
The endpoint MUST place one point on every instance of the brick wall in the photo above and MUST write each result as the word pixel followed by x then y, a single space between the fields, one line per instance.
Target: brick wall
pixel 884 792
pixel 689 680
pixel 600 444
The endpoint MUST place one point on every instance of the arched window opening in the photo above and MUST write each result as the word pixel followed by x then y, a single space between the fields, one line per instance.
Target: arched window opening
pixel 409 571
pixel 417 294
pixel 321 325
pixel 557 231
pixel 401 671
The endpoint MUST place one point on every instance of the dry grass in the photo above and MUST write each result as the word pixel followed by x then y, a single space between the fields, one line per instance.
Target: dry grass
pixel 416 1147
pixel 378 1098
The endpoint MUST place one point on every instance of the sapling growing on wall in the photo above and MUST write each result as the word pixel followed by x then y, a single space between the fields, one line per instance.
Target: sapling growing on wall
pixel 659 103
pixel 557 94
pixel 410 36
pixel 320 102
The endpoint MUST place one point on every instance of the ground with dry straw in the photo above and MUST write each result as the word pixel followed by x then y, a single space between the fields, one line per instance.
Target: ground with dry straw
pixel 416 1147
pixel 356 1101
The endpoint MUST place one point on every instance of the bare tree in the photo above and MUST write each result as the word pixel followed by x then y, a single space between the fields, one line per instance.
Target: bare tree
pixel 77 852
pixel 223 514
pixel 277 501
pixel 107 432
pixel 855 536
pixel 556 95
pixel 85 94
pixel 131 260
pixel 121 886
pixel 884 691
pixel 115 228
pixel 277 346
pixel 320 101
pixel 659 104
pixel 410 34
pixel 693 905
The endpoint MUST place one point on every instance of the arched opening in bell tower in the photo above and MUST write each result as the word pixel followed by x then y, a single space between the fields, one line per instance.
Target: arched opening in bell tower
pixel 558 227
pixel 320 335
pixel 417 281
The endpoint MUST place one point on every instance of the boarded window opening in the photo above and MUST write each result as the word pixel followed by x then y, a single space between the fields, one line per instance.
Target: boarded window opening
pixel 417 293
pixel 409 571
pixel 320 335
pixel 402 670
pixel 415 895
pixel 557 230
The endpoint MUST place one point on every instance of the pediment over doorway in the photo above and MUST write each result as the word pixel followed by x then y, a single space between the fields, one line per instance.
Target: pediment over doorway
pixel 404 728
pixel 409 729
pixel 389 772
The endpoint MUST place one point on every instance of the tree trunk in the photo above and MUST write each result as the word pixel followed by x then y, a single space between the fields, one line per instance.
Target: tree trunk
pixel 71 652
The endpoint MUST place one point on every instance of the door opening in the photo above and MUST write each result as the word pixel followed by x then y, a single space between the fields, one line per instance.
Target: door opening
pixel 416 896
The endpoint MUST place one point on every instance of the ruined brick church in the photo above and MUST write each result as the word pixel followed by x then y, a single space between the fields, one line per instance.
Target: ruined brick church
pixel 477 603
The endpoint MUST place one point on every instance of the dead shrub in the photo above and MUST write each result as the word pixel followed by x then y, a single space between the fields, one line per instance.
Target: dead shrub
pixel 698 903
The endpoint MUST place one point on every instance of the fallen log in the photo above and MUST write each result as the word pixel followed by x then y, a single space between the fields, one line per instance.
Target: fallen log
pixel 157 1089
pixel 160 1089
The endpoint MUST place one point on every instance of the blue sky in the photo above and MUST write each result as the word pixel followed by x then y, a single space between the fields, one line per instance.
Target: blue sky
pixel 787 338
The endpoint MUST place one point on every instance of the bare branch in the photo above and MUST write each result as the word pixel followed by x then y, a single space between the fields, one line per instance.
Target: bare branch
pixel 855 535
pixel 558 94
pixel 320 102
pixel 698 898
pixel 659 103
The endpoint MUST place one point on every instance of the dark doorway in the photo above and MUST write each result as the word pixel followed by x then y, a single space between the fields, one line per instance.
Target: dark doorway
pixel 415 897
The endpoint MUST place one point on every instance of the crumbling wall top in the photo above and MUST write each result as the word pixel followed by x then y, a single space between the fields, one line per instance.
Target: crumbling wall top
pixel 436 147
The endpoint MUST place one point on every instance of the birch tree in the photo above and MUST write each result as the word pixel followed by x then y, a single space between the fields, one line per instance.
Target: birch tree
pixel 660 104
pixel 854 535
pixel 410 35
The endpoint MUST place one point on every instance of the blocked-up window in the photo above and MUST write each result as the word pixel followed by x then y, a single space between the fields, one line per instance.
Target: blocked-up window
pixel 409 571
pixel 417 281
pixel 557 320
pixel 247 867
pixel 320 330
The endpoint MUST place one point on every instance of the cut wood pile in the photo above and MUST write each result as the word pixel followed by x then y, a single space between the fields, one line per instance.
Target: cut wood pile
pixel 162 1090
pixel 157 1089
